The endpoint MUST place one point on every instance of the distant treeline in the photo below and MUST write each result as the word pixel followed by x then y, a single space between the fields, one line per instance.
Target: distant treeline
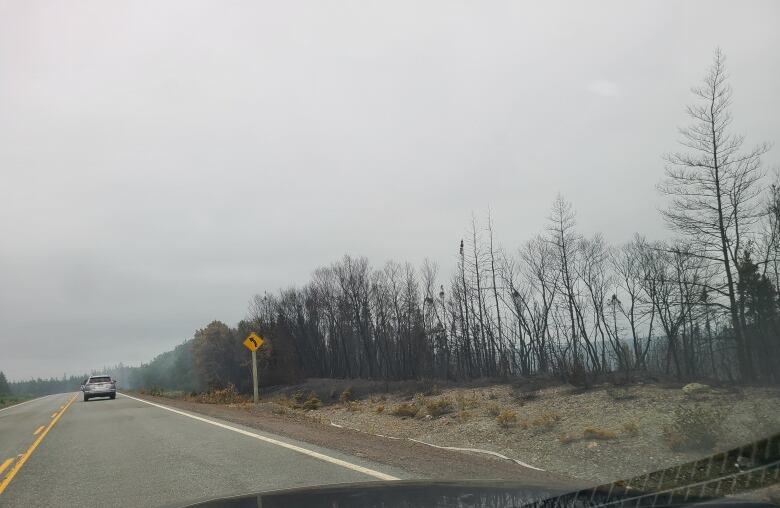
pixel 702 305
pixel 38 387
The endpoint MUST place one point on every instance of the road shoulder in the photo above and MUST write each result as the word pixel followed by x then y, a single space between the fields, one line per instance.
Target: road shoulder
pixel 416 458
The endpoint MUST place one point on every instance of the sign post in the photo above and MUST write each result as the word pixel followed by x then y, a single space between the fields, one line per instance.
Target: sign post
pixel 253 342
pixel 254 377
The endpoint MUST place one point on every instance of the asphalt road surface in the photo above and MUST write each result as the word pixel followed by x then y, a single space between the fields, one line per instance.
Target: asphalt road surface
pixel 61 451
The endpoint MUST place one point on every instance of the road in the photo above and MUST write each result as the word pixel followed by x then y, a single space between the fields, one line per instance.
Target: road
pixel 61 451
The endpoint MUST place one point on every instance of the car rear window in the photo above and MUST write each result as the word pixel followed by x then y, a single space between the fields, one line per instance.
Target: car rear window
pixel 102 379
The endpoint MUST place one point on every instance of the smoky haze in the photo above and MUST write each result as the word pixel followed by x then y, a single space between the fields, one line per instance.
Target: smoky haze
pixel 164 161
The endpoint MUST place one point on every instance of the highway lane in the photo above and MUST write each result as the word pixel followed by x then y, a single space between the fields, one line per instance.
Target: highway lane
pixel 19 423
pixel 127 452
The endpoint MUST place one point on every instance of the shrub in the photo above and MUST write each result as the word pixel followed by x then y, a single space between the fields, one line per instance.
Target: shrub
pixel 440 407
pixel 380 408
pixel 692 428
pixel 596 433
pixel 631 428
pixel 312 403
pixel 466 402
pixel 353 406
pixel 506 418
pixel 227 395
pixel 493 410
pixel 297 398
pixel 346 395
pixel 404 410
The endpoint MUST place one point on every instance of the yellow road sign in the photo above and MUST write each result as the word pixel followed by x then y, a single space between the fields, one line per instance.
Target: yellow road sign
pixel 253 341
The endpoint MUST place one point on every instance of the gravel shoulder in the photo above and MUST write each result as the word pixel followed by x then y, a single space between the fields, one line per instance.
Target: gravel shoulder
pixel 419 459
pixel 626 424
pixel 574 437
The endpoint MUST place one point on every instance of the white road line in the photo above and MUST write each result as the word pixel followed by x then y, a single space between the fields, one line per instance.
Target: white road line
pixel 310 453
pixel 23 403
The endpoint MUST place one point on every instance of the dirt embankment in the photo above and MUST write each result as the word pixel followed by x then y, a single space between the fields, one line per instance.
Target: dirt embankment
pixel 595 436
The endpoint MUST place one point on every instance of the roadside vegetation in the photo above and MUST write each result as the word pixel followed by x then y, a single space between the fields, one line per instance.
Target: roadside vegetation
pixel 6 397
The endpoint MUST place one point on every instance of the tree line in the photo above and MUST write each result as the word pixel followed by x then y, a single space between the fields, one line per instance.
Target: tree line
pixel 702 304
pixel 38 387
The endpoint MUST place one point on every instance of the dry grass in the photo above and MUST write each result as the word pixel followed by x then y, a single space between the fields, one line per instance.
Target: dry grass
pixel 547 420
pixel 620 393
pixel 312 402
pixel 506 418
pixel 493 410
pixel 525 396
pixel 597 433
pixel 466 402
pixel 439 407
pixel 404 410
pixel 227 395
pixel 380 408
pixel 353 406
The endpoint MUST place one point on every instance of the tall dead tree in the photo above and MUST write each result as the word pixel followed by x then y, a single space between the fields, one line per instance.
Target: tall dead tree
pixel 713 188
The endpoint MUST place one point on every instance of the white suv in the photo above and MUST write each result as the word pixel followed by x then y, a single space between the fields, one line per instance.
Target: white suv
pixel 99 386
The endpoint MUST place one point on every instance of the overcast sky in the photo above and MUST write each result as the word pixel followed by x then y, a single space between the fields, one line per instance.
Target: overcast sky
pixel 164 161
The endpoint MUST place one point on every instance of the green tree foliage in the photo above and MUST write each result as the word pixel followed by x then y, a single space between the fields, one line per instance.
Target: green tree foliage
pixel 758 306
pixel 5 389
pixel 172 370
pixel 216 356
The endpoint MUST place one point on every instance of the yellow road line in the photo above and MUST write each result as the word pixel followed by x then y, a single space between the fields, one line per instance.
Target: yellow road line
pixel 5 464
pixel 38 431
pixel 26 455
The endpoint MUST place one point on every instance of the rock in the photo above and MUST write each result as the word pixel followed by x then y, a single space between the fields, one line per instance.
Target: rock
pixel 695 388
